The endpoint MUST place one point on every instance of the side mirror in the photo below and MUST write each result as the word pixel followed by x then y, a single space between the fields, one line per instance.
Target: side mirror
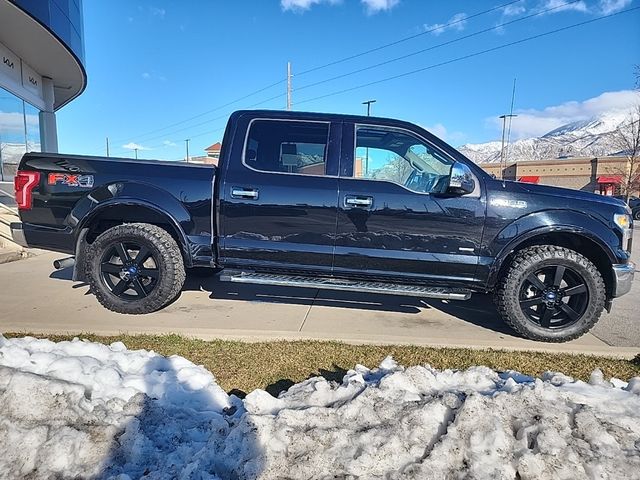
pixel 461 181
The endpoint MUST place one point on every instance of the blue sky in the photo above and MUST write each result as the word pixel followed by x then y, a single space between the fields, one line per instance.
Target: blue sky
pixel 153 64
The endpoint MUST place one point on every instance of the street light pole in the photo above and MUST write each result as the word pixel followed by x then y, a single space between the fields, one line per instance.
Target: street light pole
pixel 136 150
pixel 187 143
pixel 368 104
pixel 366 156
pixel 503 165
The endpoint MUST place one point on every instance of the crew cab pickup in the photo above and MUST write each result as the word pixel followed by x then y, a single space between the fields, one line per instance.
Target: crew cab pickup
pixel 333 202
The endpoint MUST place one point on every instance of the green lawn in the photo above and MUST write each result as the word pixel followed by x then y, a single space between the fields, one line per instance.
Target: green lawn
pixel 274 366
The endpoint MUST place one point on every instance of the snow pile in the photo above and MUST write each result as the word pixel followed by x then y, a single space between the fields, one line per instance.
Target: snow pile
pixel 80 409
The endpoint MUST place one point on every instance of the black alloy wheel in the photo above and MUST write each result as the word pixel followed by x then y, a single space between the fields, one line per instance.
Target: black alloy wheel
pixel 551 293
pixel 554 296
pixel 135 268
pixel 129 270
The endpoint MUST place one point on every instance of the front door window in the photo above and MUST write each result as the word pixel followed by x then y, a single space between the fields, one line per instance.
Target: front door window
pixel 396 156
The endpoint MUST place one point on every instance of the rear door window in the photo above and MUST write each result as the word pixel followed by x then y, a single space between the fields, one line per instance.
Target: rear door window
pixel 283 146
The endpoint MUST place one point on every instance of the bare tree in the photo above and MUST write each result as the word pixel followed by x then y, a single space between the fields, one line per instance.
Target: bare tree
pixel 627 139
pixel 397 169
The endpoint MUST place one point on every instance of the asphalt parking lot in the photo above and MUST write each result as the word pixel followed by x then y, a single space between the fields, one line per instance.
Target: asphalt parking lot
pixel 37 298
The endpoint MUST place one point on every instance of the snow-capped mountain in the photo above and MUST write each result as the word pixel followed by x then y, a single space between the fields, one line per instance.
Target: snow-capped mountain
pixel 585 138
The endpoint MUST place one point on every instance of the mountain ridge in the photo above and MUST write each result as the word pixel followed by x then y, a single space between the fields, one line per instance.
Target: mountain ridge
pixel 591 137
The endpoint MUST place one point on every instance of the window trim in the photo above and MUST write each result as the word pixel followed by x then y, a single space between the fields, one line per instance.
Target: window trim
pixel 412 133
pixel 326 162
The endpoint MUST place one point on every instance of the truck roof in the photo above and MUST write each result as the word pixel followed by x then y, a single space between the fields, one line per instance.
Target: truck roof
pixel 293 114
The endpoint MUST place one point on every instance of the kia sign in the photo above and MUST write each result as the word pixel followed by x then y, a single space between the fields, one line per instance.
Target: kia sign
pixel 20 79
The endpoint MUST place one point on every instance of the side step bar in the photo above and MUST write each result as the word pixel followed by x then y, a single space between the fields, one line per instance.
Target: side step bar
pixel 348 285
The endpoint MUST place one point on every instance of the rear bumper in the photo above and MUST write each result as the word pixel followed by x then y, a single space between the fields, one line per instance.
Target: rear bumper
pixel 46 238
pixel 17 232
pixel 623 278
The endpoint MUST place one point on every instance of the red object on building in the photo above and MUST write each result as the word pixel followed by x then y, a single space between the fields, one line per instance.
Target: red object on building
pixel 615 179
pixel 607 183
pixel 530 179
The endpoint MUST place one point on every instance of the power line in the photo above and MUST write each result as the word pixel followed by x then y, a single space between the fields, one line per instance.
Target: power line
pixel 224 116
pixel 405 39
pixel 410 72
pixel 471 55
pixel 434 47
pixel 336 62
pixel 220 107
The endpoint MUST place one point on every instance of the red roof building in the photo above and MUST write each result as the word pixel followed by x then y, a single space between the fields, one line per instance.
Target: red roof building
pixel 214 150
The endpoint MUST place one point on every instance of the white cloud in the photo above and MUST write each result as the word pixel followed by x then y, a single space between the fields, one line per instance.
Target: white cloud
pixel 153 76
pixel 533 122
pixel 371 6
pixel 563 6
pixel 157 12
pixel 514 9
pixel 375 6
pixel 301 5
pixel 457 22
pixel 134 146
pixel 13 122
pixel 612 6
pixel 440 131
pixel 169 143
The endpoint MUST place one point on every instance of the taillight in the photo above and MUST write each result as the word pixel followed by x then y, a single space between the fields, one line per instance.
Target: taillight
pixel 25 181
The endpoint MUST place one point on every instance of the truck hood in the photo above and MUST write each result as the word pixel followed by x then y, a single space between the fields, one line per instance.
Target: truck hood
pixel 567 193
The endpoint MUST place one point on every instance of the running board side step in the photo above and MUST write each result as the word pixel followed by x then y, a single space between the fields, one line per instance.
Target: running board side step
pixel 345 285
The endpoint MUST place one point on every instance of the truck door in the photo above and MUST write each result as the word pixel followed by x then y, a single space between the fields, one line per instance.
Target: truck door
pixel 279 202
pixel 395 219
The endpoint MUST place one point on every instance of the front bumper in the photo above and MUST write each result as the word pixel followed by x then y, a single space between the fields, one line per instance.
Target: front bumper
pixel 17 232
pixel 623 278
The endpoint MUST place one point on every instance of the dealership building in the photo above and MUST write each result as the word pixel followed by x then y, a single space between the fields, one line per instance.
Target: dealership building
pixel 41 70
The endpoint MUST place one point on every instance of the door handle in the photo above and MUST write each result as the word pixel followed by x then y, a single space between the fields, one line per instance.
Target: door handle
pixel 243 192
pixel 358 201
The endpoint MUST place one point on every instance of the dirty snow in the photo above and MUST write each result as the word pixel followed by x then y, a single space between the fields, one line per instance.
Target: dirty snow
pixel 80 409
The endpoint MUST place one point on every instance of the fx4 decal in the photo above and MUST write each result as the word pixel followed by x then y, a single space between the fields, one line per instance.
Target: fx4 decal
pixel 71 180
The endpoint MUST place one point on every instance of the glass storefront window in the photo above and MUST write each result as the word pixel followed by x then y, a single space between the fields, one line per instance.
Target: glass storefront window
pixel 19 132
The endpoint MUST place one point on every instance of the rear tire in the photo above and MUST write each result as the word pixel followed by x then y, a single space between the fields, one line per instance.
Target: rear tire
pixel 135 268
pixel 551 294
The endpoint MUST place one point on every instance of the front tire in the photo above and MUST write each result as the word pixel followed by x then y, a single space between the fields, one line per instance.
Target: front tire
pixel 135 268
pixel 551 294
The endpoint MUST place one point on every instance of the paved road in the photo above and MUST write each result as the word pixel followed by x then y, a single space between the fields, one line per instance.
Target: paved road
pixel 37 298
pixel 6 194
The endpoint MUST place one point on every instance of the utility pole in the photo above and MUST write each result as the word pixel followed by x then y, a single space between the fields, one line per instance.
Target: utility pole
pixel 187 143
pixel 288 85
pixel 366 155
pixel 503 165
pixel 136 150
pixel 107 147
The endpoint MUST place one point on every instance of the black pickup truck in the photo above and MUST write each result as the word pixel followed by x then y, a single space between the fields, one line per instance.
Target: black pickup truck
pixel 336 202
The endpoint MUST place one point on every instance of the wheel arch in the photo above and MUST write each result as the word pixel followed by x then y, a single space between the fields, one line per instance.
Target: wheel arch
pixel 579 240
pixel 122 211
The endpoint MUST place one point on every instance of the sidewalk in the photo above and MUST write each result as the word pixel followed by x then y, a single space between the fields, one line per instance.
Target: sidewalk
pixel 36 298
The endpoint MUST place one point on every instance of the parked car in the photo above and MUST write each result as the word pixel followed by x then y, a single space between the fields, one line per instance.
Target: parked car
pixel 341 202
pixel 634 204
